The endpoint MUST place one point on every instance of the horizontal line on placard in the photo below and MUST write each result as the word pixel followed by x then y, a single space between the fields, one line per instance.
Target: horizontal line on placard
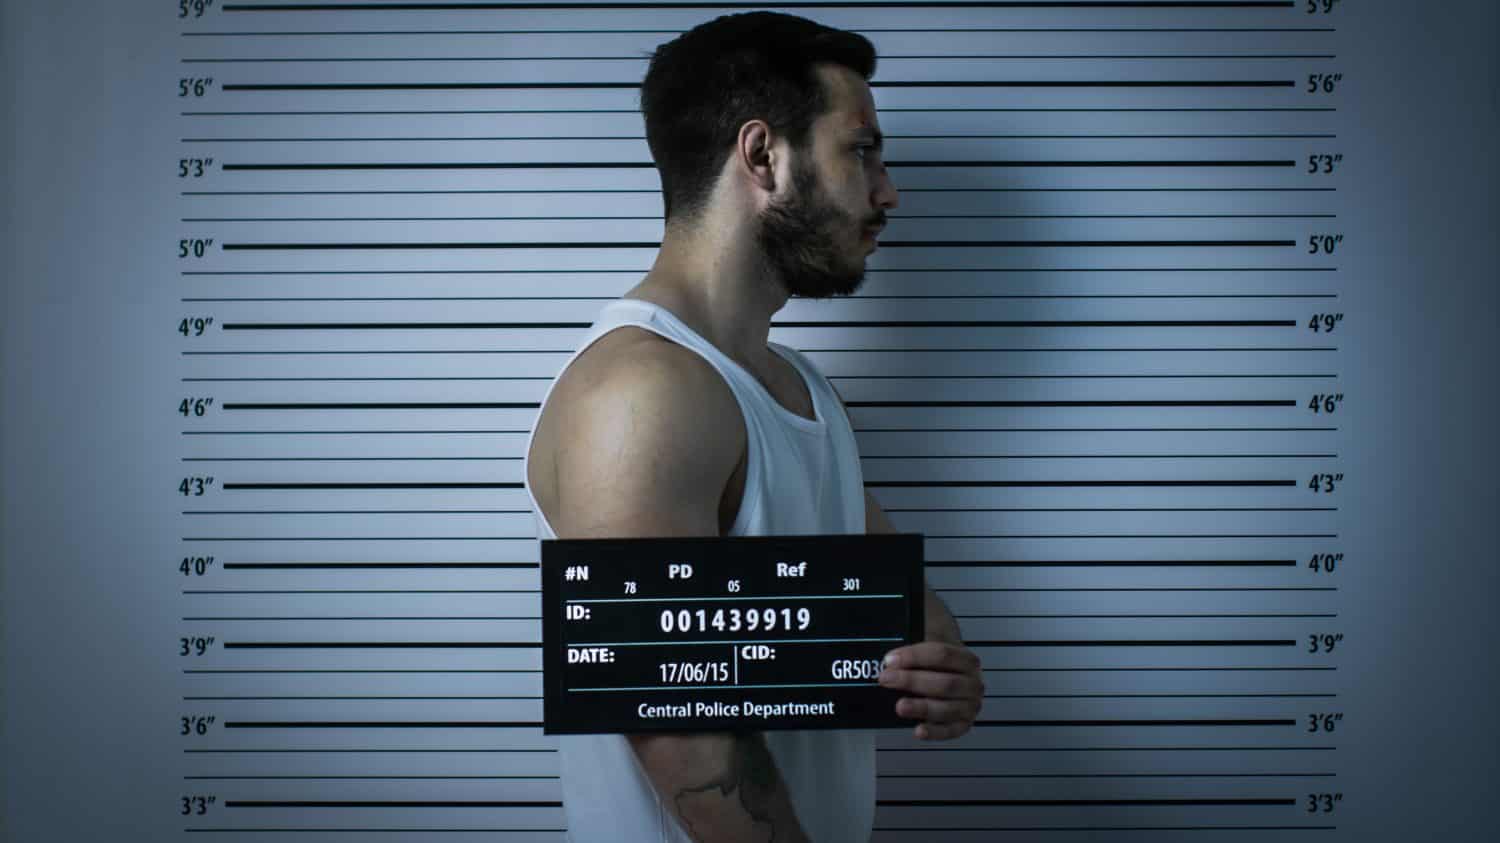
pixel 1142 669
pixel 606 165
pixel 1184 588
pixel 649 244
pixel 845 323
pixel 368 565
pixel 608 298
pixel 883 58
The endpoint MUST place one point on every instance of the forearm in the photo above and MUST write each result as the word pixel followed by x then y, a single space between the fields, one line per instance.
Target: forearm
pixel 721 786
pixel 940 623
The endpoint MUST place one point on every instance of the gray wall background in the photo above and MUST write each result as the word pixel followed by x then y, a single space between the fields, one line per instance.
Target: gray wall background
pixel 93 606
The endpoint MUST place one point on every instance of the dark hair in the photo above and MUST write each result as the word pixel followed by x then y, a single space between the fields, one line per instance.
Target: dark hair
pixel 702 86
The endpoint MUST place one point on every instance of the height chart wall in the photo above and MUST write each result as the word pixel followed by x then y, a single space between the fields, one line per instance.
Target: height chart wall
pixel 1178 351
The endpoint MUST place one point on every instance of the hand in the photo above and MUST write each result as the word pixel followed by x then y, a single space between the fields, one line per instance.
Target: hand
pixel 945 684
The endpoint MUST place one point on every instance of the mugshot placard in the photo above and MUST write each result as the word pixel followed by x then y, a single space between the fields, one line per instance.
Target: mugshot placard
pixel 726 633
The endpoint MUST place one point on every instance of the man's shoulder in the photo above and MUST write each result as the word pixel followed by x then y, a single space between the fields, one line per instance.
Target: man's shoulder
pixel 632 366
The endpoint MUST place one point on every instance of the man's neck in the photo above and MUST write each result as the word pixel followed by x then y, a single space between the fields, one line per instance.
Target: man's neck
pixel 723 295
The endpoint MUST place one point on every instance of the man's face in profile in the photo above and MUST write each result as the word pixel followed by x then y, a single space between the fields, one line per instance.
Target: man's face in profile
pixel 814 241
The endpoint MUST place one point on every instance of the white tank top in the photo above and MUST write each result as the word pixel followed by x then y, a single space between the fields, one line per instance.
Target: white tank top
pixel 802 478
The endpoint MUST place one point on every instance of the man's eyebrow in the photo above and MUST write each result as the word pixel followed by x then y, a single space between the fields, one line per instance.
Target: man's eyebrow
pixel 874 133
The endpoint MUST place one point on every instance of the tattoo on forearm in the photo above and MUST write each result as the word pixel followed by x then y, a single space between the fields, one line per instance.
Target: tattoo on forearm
pixel 750 777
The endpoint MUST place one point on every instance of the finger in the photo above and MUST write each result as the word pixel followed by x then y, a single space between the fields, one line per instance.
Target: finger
pixel 937 712
pixel 940 731
pixel 934 655
pixel 930 683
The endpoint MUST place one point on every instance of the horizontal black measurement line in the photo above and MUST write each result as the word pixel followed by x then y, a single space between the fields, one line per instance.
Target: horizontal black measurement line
pixel 595 86
pixel 517 724
pixel 1037 828
pixel 1009 536
pixel 367 591
pixel 805 349
pixel 986 696
pixel 376 618
pixel 1268 376
pixel 309 670
pixel 1027 776
pixel 537 590
pixel 875 457
pixel 602 191
pixel 1074 615
pixel 1071 803
pixel 395 724
pixel 1145 642
pixel 532 405
pixel 609 298
pixel 228 486
pixel 646 244
pixel 924 484
pixel 1019 509
pixel 290 749
pixel 485 431
pixel 848 323
pixel 242 803
pixel 383 645
pixel 471 778
pixel 1185 588
pixel 1115 563
pixel 627 165
pixel 385 405
pixel 1146 669
pixel 946 749
pixel 616 32
pixel 264 538
pixel 272 566
pixel 954 510
pixel 920 269
pixel 795 4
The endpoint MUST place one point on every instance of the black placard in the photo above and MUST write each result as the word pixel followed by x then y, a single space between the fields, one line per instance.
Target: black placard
pixel 726 633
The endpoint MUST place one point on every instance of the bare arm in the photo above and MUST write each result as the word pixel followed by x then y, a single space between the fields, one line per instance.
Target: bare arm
pixel 940 623
pixel 648 447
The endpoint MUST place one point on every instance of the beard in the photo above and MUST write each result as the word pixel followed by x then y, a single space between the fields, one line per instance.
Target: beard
pixel 803 242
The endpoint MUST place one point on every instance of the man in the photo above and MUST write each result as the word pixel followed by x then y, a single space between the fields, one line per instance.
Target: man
pixel 676 417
